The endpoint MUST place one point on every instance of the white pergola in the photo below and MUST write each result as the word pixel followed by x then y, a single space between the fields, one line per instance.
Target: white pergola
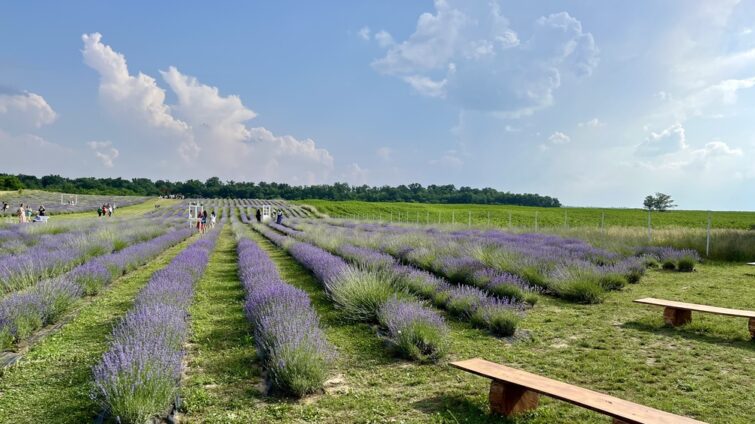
pixel 195 212
pixel 266 213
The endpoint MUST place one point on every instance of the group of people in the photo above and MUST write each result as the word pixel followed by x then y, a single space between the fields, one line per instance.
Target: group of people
pixel 278 216
pixel 203 219
pixel 106 210
pixel 24 212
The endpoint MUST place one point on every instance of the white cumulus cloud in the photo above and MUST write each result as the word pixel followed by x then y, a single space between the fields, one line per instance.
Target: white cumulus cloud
pixel 559 138
pixel 211 128
pixel 24 110
pixel 670 140
pixel 104 151
pixel 468 53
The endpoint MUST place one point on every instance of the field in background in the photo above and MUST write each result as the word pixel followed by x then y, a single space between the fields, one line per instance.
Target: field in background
pixel 525 216
pixel 52 201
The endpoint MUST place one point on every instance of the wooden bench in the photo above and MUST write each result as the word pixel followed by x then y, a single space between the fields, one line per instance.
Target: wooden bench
pixel 513 391
pixel 680 313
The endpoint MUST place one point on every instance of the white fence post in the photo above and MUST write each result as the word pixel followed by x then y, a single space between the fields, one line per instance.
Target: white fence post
pixel 707 238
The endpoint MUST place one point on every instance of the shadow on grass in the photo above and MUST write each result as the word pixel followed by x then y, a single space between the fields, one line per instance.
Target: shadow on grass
pixel 457 409
pixel 691 334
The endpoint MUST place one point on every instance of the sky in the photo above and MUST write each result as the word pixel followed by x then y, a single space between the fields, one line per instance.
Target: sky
pixel 595 103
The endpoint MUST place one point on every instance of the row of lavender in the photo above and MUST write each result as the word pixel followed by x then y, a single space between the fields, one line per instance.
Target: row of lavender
pixel 59 253
pixel 286 327
pixel 22 313
pixel 138 377
pixel 362 295
pixel 500 314
pixel 567 268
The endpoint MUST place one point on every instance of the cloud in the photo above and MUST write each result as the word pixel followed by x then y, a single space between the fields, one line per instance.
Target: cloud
pixel 104 151
pixel 670 140
pixel 426 86
pixel 384 153
pixel 137 96
pixel 356 174
pixel 715 154
pixel 22 111
pixel 364 33
pixel 468 53
pixel 384 39
pixel 559 138
pixel 211 129
pixel 592 123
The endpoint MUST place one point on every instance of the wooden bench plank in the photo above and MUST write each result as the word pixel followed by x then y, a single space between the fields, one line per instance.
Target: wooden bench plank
pixel 695 307
pixel 623 410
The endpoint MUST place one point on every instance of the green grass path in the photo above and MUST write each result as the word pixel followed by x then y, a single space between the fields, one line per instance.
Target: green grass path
pixel 53 381
pixel 222 377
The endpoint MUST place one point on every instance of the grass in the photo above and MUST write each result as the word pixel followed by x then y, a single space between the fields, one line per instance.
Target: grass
pixel 125 211
pixel 524 216
pixel 703 370
pixel 222 370
pixel 53 381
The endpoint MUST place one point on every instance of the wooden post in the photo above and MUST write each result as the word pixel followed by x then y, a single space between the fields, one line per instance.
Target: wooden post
pixel 427 219
pixel 676 317
pixel 509 220
pixel 469 218
pixel 752 327
pixel 602 220
pixel 650 231
pixel 510 399
pixel 535 220
pixel 453 217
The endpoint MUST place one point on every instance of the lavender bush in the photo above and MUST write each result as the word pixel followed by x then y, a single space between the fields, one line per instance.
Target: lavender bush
pixel 286 328
pixel 417 332
pixel 138 376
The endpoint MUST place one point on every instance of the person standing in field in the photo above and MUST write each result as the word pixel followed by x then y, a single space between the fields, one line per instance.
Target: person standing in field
pixel 279 218
pixel 42 210
pixel 213 218
pixel 258 215
pixel 5 208
pixel 21 214
pixel 204 221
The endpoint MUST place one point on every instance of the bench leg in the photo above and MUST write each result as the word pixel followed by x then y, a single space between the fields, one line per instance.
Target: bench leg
pixel 752 327
pixel 510 399
pixel 620 421
pixel 677 317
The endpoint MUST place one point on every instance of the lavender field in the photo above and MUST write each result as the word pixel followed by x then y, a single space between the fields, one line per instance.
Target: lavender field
pixel 145 319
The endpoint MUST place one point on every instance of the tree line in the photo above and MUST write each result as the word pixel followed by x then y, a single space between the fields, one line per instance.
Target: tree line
pixel 215 188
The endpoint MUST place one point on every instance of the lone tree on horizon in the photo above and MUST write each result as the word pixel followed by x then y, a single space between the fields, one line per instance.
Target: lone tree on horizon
pixel 660 202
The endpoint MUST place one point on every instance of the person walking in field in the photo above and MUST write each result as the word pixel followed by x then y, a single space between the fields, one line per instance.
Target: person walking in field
pixel 279 218
pixel 5 208
pixel 213 218
pixel 204 221
pixel 258 215
pixel 21 212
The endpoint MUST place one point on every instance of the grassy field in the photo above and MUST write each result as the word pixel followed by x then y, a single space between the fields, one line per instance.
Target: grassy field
pixel 524 216
pixel 703 370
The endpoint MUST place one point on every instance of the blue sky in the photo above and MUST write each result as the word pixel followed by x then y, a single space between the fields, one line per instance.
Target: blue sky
pixel 595 103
